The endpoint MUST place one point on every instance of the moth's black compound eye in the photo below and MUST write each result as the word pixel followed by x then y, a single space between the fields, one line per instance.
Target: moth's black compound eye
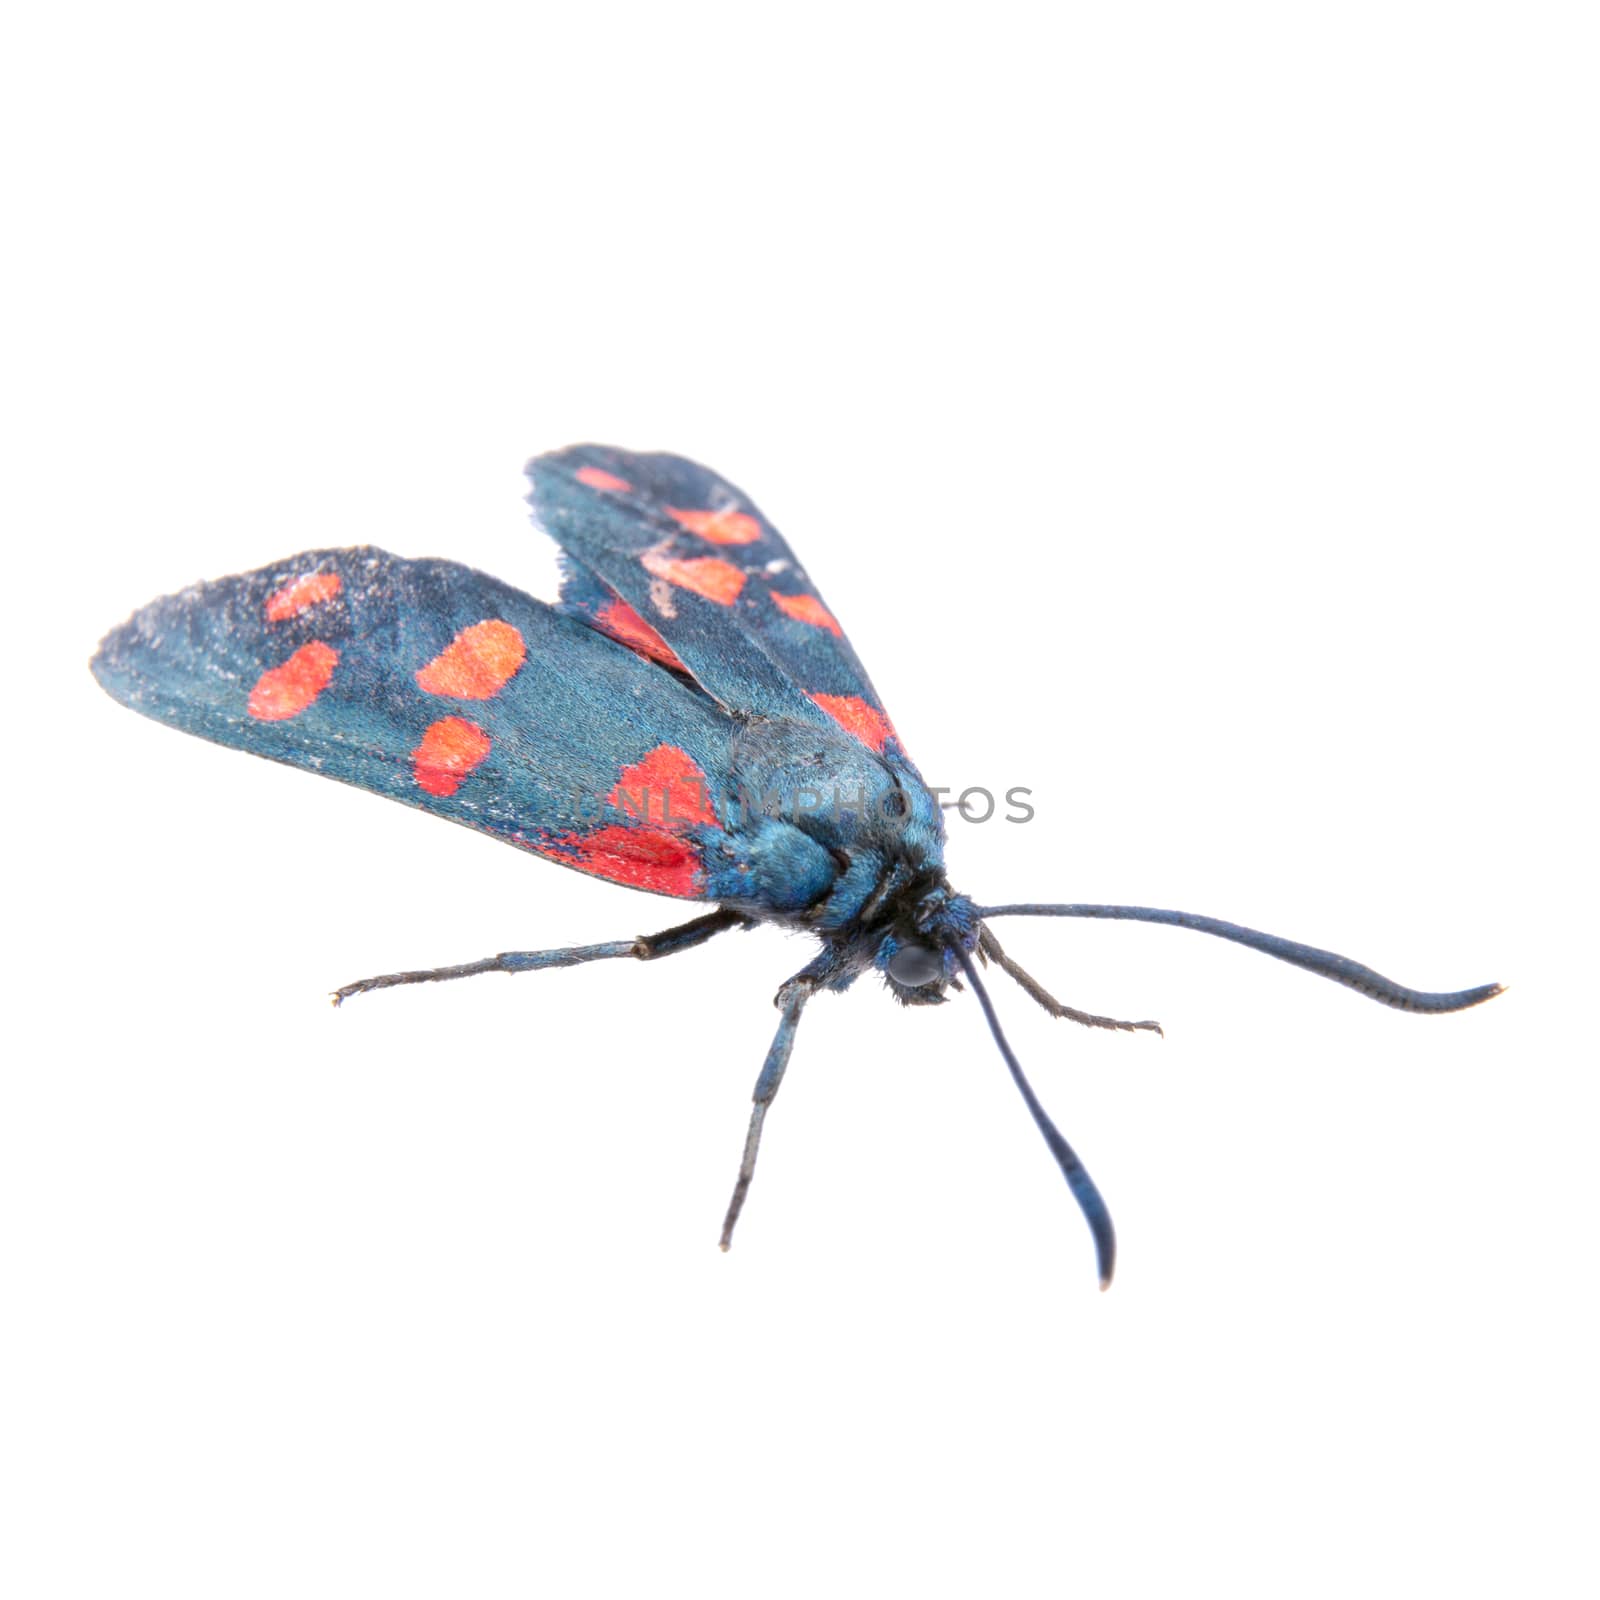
pixel 916 964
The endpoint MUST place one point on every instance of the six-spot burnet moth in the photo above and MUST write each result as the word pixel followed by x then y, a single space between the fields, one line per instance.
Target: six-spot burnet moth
pixel 689 719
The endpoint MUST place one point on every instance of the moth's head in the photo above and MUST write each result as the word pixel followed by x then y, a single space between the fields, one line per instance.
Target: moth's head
pixel 916 953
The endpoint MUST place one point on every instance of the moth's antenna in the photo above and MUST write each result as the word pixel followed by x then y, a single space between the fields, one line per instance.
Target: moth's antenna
pixel 1089 1198
pixel 1341 969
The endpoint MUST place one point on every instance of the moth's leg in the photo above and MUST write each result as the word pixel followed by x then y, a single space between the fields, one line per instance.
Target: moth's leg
pixel 791 1000
pixel 989 946
pixel 645 948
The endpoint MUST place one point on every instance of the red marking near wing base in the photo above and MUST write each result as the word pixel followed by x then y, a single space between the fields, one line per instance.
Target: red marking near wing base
pixel 286 691
pixel 599 478
pixel 626 626
pixel 807 608
pixel 705 575
pixel 666 785
pixel 719 527
pixel 477 664
pixel 856 716
pixel 450 750
pixel 642 858
pixel 300 594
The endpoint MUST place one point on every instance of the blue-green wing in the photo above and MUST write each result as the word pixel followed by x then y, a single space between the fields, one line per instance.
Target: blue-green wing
pixel 443 688
pixel 692 559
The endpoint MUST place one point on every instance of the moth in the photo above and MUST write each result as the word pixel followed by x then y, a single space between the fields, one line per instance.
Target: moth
pixel 688 719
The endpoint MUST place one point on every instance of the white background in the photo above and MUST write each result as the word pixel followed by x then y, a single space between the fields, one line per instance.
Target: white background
pixel 1190 411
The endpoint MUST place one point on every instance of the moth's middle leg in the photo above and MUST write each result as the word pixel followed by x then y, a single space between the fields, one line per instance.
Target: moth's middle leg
pixel 648 947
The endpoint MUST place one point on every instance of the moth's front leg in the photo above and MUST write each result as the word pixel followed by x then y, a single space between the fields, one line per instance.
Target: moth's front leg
pixel 791 1000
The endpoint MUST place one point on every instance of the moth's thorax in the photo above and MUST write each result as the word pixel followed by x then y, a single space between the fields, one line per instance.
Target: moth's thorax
pixel 852 827
pixel 835 788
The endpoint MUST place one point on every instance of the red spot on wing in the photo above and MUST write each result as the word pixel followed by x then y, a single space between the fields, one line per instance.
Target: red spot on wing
pixel 856 716
pixel 642 858
pixel 301 593
pixel 720 527
pixel 450 750
pixel 286 691
pixel 666 786
pixel 807 608
pixel 626 626
pixel 477 664
pixel 599 478
pixel 704 575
